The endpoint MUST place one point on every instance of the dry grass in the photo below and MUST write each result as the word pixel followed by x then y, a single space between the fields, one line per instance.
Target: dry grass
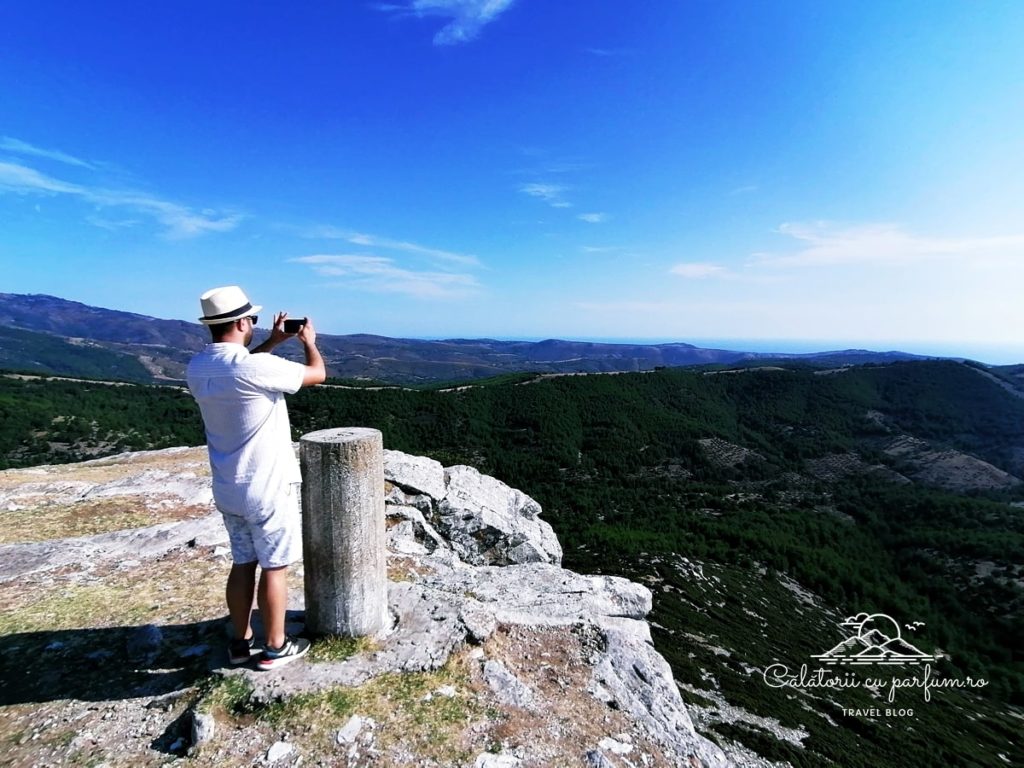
pixel 184 586
pixel 89 518
pixel 409 718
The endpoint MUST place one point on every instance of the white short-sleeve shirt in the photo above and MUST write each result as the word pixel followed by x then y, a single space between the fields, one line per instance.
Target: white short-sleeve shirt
pixel 241 397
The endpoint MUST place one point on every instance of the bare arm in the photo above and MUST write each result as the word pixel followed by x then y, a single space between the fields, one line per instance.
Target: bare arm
pixel 316 371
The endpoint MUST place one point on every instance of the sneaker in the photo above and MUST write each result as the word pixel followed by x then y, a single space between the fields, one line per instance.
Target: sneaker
pixel 293 648
pixel 240 651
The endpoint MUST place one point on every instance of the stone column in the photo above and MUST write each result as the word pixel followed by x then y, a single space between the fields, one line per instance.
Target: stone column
pixel 343 532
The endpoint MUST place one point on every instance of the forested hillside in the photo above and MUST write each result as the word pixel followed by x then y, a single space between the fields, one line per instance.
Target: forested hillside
pixel 43 353
pixel 885 488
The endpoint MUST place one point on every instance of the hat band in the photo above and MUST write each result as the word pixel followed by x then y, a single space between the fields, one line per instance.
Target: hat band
pixel 232 313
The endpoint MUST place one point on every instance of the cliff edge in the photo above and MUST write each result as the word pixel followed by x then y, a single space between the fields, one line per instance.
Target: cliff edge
pixel 113 631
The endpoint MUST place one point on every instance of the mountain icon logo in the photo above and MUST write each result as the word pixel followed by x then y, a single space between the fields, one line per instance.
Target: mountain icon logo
pixel 875 638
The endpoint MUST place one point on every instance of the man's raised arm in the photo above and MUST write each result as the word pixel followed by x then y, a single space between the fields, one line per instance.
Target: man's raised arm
pixel 316 371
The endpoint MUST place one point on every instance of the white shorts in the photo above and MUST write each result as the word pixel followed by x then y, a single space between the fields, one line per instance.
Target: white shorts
pixel 271 536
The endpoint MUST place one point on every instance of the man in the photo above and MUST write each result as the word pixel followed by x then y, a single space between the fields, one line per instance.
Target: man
pixel 255 474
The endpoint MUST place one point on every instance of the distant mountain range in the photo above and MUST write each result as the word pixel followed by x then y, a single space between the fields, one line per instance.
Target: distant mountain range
pixel 53 335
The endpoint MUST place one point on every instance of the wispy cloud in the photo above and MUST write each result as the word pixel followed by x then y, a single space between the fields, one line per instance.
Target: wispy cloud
pixel 19 147
pixel 549 193
pixel 540 166
pixel 23 180
pixel 824 244
pixel 593 218
pixel 698 270
pixel 373 241
pixel 111 224
pixel 608 52
pixel 380 274
pixel 179 221
pixel 465 17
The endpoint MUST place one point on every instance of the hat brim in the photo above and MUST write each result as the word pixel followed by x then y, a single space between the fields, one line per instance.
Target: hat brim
pixel 245 312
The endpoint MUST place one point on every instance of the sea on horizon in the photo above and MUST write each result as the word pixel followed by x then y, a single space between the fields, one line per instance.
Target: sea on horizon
pixel 991 354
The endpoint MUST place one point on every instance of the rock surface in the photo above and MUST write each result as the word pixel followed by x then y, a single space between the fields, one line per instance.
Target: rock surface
pixel 477 516
pixel 489 523
pixel 544 666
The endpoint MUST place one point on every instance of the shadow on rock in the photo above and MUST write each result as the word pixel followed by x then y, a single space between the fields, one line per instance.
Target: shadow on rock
pixel 175 739
pixel 109 663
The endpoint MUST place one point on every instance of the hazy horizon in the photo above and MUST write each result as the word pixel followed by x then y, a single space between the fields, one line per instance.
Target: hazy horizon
pixel 992 355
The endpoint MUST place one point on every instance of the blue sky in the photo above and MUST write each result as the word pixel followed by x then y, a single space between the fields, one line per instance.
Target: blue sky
pixel 781 173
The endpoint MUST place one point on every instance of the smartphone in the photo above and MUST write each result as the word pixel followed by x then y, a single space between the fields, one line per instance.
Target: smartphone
pixel 294 326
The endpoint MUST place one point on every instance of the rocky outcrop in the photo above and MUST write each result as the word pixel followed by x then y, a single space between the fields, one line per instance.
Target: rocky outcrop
pixel 477 516
pixel 563 660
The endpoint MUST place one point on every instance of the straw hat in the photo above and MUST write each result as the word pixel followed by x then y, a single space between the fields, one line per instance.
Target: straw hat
pixel 222 305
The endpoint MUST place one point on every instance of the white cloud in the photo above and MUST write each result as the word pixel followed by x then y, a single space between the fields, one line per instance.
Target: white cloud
pixel 823 244
pixel 593 218
pixel 549 193
pixel 24 148
pixel 697 270
pixel 373 241
pixel 465 17
pixel 179 221
pixel 23 180
pixel 379 274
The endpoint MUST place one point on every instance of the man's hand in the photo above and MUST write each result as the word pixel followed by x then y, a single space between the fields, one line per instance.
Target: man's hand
pixel 307 333
pixel 277 334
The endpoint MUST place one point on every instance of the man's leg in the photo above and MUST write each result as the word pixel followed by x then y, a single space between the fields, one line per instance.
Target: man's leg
pixel 239 592
pixel 273 602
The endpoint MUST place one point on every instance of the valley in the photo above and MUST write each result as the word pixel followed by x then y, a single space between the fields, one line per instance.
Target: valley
pixel 761 509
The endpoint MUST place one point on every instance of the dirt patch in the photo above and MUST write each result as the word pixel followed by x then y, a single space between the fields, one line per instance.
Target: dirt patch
pixel 722 453
pixel 948 468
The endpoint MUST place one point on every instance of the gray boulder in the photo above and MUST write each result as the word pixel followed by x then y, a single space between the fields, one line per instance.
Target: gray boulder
pixel 414 474
pixel 482 520
pixel 489 523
